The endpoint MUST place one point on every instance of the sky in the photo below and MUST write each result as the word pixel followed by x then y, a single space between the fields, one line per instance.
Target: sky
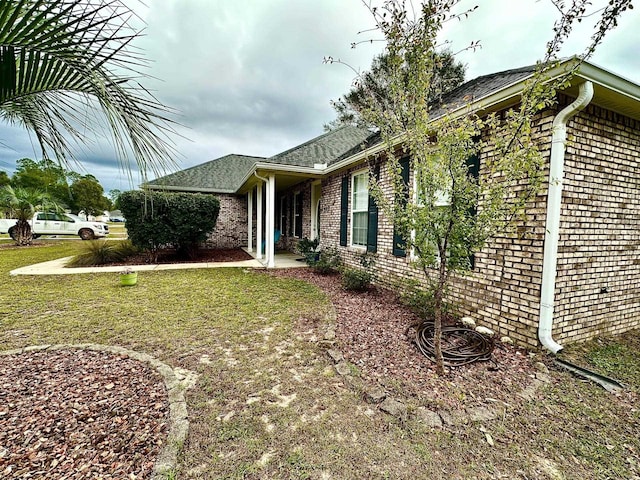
pixel 247 76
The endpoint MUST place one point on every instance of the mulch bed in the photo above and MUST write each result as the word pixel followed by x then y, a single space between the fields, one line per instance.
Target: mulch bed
pixel 374 333
pixel 74 414
pixel 168 256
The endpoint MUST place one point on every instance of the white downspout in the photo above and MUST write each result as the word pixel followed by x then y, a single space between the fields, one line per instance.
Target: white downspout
pixel 554 205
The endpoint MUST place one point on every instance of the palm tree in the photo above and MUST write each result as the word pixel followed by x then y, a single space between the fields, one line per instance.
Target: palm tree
pixel 61 61
pixel 22 204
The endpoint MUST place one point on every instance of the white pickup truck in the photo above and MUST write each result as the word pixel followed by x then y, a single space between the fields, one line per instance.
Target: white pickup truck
pixel 58 224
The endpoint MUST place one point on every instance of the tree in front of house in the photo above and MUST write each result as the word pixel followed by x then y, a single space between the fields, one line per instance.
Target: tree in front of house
pixel 452 208
pixel 157 220
pixel 87 195
pixel 370 90
pixel 21 204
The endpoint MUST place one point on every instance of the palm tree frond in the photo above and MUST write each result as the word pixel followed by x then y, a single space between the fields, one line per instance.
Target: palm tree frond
pixel 54 50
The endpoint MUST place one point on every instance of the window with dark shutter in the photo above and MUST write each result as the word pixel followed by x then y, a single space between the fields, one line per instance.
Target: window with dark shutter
pixel 474 170
pixel 297 213
pixel 344 210
pixel 372 220
pixel 399 242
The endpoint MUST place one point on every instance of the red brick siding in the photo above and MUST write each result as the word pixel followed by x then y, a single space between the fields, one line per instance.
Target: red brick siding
pixel 600 228
pixel 502 292
pixel 231 228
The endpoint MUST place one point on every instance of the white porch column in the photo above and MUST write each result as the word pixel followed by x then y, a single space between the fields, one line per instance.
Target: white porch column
pixel 250 220
pixel 271 221
pixel 259 222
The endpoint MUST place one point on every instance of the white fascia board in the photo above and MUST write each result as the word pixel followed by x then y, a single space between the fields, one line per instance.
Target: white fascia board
pixel 280 167
pixel 171 188
pixel 510 92
pixel 615 83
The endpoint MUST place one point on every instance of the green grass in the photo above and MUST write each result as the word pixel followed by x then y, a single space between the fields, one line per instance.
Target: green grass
pixel 268 405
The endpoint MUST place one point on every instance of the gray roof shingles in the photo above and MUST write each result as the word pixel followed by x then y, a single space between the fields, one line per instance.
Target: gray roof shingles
pixel 225 174
pixel 327 148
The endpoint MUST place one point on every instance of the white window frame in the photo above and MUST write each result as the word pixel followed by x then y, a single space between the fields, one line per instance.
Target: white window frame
pixel 442 200
pixel 352 210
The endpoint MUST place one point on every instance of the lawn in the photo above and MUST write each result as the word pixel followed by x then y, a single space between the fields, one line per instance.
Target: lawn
pixel 268 403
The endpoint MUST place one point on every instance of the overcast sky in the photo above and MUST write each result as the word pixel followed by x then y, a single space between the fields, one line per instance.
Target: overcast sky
pixel 247 76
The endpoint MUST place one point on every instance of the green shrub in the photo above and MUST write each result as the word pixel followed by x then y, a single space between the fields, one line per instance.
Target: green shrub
pixel 308 249
pixel 102 252
pixel 160 219
pixel 359 279
pixel 356 279
pixel 329 261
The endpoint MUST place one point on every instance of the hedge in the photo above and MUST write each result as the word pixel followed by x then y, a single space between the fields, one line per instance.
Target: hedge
pixel 157 220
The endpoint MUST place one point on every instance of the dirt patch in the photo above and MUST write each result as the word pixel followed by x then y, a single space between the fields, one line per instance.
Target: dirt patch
pixel 374 334
pixel 79 414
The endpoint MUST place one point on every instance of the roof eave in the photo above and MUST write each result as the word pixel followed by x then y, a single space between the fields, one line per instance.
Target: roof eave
pixel 265 168
pixel 175 188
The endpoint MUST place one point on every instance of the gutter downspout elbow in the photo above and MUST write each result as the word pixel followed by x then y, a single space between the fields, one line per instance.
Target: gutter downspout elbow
pixel 552 224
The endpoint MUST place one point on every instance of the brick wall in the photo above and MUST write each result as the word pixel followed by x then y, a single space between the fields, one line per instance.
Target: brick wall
pixel 503 290
pixel 599 243
pixel 598 284
pixel 231 228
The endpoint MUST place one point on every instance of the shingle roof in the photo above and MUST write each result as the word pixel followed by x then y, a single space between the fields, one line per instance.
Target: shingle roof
pixel 223 175
pixel 327 148
pixel 481 87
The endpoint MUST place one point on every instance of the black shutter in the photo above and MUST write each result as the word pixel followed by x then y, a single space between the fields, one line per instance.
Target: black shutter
pixel 344 210
pixel 298 199
pixel 399 242
pixel 290 214
pixel 372 223
pixel 474 170
pixel 283 214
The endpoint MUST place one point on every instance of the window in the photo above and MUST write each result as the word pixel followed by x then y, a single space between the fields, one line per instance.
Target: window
pixel 283 215
pixel 297 215
pixel 359 208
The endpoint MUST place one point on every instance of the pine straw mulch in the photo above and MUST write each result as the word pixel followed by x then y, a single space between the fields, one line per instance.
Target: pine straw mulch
pixel 75 414
pixel 374 334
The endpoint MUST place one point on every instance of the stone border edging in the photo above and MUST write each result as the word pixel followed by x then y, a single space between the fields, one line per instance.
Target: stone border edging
pixel 176 381
pixel 435 419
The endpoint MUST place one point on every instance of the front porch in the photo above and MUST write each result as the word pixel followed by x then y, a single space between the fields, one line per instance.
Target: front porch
pixel 282 208
pixel 281 259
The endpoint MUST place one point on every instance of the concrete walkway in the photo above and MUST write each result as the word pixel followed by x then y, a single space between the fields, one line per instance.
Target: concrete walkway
pixel 57 267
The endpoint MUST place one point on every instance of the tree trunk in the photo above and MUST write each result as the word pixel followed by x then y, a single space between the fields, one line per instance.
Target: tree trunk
pixel 22 233
pixel 437 327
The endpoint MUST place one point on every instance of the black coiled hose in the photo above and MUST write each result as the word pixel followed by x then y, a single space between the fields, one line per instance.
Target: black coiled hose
pixel 460 346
